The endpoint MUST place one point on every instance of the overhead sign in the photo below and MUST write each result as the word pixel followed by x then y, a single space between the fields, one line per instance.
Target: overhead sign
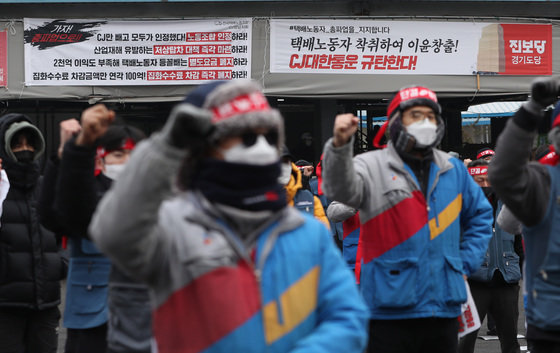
pixel 3 59
pixel 102 52
pixel 409 47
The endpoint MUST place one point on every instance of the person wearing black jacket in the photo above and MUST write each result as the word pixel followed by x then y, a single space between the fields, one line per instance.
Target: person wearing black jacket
pixel 106 310
pixel 30 263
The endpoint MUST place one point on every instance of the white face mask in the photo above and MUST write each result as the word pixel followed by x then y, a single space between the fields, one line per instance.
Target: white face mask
pixel 259 153
pixel 285 173
pixel 113 171
pixel 424 132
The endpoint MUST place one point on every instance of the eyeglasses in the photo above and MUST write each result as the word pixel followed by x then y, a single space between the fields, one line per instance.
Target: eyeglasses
pixel 249 137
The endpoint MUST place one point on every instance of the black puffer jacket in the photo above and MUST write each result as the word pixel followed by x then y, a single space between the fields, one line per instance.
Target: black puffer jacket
pixel 30 265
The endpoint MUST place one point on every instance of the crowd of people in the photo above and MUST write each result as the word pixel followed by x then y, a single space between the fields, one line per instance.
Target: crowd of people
pixel 209 235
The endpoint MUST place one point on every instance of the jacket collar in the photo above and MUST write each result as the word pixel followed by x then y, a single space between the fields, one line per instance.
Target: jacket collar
pixel 441 159
pixel 199 210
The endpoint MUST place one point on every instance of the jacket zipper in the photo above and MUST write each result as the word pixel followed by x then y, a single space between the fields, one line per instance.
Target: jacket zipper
pixel 436 215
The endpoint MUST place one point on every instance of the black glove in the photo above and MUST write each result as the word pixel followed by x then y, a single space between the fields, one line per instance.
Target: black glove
pixel 187 125
pixel 544 92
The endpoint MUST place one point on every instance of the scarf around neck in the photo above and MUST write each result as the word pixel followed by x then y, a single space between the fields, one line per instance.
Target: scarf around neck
pixel 244 186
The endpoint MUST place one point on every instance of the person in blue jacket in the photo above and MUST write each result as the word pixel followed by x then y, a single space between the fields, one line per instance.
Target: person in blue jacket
pixel 495 285
pixel 531 192
pixel 350 220
pixel 230 266
pixel 425 224
pixel 106 310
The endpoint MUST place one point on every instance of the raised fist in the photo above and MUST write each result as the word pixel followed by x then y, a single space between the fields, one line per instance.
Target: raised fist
pixel 95 122
pixel 345 126
pixel 68 128
pixel 545 90
pixel 187 125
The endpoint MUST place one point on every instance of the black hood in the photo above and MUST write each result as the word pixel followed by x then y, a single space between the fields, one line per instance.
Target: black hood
pixel 19 174
pixel 5 122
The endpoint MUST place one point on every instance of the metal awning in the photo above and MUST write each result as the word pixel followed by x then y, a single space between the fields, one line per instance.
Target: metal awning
pixel 491 110
pixel 480 114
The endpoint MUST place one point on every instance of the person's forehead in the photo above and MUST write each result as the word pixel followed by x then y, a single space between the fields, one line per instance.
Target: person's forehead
pixel 21 137
pixel 25 133
pixel 118 151
pixel 236 134
pixel 423 108
pixel 481 178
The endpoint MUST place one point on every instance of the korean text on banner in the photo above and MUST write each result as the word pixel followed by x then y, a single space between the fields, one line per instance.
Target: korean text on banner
pixel 469 321
pixel 3 59
pixel 106 52
pixel 409 47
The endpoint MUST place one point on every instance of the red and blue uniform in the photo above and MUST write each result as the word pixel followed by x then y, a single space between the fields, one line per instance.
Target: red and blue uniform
pixel 416 248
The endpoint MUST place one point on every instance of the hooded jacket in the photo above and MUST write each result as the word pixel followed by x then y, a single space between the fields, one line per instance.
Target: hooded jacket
pixel 295 195
pixel 30 264
pixel 289 293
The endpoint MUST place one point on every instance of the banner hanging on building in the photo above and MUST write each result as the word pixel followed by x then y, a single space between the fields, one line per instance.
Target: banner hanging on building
pixel 3 59
pixel 101 52
pixel 410 48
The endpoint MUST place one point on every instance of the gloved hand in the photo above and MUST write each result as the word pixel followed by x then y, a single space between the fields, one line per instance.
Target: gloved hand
pixel 544 92
pixel 187 125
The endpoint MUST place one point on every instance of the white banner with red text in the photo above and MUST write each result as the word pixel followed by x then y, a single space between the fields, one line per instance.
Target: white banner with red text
pixel 409 47
pixel 469 321
pixel 106 52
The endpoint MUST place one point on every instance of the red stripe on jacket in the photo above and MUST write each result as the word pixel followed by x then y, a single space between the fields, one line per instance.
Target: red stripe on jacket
pixel 207 309
pixel 358 268
pixel 350 224
pixel 393 226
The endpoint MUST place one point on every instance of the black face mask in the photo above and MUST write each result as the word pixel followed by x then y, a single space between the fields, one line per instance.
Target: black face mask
pixel 488 191
pixel 24 156
pixel 490 195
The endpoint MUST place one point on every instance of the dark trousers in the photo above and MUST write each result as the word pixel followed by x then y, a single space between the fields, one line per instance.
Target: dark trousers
pixel 502 303
pixel 29 331
pixel 540 346
pixel 88 340
pixel 431 335
pixel 490 323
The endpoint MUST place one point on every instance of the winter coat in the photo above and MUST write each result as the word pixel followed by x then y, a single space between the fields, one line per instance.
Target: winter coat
pixel 500 256
pixel 31 266
pixel 296 196
pixel 530 191
pixel 416 248
pixel 349 217
pixel 289 293
pixel 97 291
pixel 88 274
pixel 543 263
